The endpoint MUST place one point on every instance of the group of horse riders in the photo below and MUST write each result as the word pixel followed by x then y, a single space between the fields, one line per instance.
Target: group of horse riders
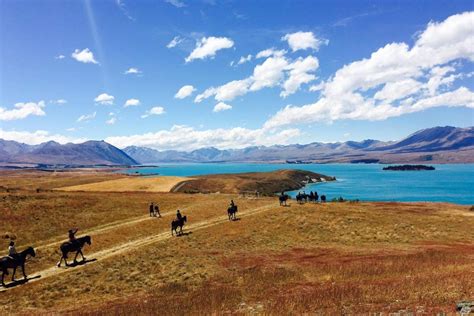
pixel 312 197
pixel 15 259
pixel 13 254
pixel 154 210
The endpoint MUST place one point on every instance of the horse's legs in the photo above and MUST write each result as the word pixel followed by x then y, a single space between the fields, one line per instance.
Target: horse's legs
pixel 23 270
pixel 13 275
pixel 3 276
pixel 77 254
pixel 61 260
pixel 82 255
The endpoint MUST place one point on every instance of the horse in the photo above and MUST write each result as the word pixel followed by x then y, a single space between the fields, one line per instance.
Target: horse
pixel 76 246
pixel 232 212
pixel 178 223
pixel 10 263
pixel 301 197
pixel 283 198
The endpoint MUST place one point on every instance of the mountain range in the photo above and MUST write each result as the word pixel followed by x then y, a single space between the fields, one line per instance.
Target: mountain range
pixel 52 153
pixel 433 145
pixel 436 145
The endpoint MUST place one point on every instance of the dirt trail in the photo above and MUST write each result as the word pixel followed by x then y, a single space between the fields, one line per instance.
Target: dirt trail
pixel 133 245
pixel 103 228
pixel 178 186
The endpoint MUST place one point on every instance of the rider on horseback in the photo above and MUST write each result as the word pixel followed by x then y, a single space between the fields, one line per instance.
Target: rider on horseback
pixel 178 215
pixel 72 235
pixel 232 203
pixel 12 251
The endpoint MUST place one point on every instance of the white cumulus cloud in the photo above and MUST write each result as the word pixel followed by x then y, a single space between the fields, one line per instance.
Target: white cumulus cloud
pixel 272 72
pixel 156 110
pixel 104 99
pixel 22 110
pixel 269 73
pixel 300 73
pixel 208 47
pixel 131 102
pixel 84 56
pixel 132 70
pixel 303 40
pixel 188 138
pixel 244 59
pixel 395 79
pixel 184 92
pixel 270 52
pixel 221 106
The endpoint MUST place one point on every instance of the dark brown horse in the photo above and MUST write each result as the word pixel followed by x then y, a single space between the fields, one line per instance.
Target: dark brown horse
pixel 283 198
pixel 75 246
pixel 10 263
pixel 178 223
pixel 232 212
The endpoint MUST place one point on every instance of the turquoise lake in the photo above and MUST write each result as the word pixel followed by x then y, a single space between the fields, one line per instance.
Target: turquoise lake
pixel 366 182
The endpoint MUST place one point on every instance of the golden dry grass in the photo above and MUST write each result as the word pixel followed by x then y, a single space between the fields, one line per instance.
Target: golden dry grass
pixel 17 180
pixel 136 184
pixel 328 259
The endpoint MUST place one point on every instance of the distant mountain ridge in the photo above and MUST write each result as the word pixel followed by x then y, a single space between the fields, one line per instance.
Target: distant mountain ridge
pixel 53 153
pixel 433 145
pixel 437 145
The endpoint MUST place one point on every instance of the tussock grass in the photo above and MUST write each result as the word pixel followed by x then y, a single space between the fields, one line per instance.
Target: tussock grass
pixel 327 259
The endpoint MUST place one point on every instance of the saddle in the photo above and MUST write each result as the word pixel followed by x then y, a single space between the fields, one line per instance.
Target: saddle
pixel 72 243
pixel 6 258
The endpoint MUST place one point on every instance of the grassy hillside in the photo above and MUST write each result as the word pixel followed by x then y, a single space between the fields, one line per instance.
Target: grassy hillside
pixel 266 183
pixel 332 258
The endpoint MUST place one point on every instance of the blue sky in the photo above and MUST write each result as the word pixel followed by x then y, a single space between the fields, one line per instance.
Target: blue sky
pixel 327 71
